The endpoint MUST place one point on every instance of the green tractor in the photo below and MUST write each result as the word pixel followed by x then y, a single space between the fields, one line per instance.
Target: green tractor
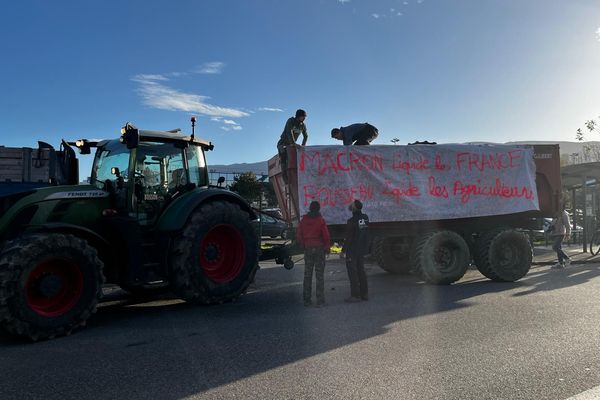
pixel 147 216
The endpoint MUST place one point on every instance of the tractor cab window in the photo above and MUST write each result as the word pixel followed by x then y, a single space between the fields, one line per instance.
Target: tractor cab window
pixel 160 173
pixel 111 166
pixel 197 163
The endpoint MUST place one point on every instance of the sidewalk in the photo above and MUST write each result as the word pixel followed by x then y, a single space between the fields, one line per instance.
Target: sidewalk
pixel 544 255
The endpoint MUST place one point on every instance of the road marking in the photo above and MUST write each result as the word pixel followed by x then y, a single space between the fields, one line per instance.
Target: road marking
pixel 592 394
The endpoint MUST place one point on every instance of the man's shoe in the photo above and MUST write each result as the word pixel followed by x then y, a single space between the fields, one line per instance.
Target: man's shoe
pixel 352 300
pixel 568 262
pixel 321 304
pixel 307 303
pixel 364 298
pixel 558 266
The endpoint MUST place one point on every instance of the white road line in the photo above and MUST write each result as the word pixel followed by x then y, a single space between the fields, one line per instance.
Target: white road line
pixel 592 394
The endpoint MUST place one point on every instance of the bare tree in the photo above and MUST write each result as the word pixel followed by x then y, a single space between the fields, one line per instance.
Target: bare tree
pixel 591 151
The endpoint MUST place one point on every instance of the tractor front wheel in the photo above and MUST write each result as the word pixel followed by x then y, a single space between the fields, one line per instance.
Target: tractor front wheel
pixel 49 285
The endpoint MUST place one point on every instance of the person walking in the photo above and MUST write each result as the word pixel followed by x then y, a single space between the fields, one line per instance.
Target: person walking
pixel 560 229
pixel 356 245
pixel 357 134
pixel 313 237
pixel 294 127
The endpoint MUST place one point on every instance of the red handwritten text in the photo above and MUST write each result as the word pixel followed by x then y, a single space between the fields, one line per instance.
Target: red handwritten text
pixel 481 162
pixel 435 190
pixel 398 192
pixel 407 166
pixel 466 190
pixel 439 165
pixel 332 197
pixel 343 161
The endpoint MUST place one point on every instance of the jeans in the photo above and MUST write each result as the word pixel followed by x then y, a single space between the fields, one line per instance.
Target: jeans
pixel 314 257
pixel 358 278
pixel 557 247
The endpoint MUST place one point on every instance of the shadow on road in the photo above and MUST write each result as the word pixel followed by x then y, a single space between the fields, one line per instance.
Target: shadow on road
pixel 171 350
pixel 546 279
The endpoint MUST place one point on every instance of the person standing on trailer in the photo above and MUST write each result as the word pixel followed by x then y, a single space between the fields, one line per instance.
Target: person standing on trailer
pixel 294 127
pixel 357 134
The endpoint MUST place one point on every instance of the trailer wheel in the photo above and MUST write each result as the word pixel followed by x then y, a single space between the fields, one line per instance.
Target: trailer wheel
pixel 216 256
pixel 49 285
pixel 440 257
pixel 391 254
pixel 288 263
pixel 503 255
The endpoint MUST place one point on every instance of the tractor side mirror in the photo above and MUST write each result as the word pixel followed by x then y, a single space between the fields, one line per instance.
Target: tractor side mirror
pixel 115 171
pixel 220 181
pixel 130 136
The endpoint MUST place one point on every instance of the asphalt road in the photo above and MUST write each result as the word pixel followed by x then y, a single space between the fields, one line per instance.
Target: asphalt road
pixel 538 338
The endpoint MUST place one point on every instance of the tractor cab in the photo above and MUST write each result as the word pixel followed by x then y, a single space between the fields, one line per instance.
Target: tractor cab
pixel 145 170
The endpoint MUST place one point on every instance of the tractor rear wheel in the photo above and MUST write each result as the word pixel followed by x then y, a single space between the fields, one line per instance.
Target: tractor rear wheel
pixel 49 285
pixel 216 256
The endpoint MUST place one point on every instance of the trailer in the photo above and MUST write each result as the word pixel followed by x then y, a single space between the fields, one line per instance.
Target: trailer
pixel 434 209
pixel 24 168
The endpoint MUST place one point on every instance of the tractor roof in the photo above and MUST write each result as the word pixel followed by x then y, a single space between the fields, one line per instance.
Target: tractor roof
pixel 171 137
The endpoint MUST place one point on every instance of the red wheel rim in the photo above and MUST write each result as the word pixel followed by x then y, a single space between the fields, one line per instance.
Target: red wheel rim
pixel 222 253
pixel 54 287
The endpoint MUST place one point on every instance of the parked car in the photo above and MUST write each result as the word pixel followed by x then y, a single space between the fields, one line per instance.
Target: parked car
pixel 273 227
pixel 273 212
pixel 541 234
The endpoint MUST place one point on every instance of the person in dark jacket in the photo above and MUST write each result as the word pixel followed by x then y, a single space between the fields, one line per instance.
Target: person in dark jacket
pixel 313 237
pixel 357 134
pixel 294 127
pixel 356 245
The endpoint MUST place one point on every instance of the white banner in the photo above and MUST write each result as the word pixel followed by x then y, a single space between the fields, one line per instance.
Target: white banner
pixel 417 182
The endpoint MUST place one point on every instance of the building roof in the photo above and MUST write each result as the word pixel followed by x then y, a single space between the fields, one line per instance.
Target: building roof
pixel 574 175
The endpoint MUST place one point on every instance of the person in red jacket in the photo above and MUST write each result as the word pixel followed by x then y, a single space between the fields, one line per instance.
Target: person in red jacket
pixel 313 237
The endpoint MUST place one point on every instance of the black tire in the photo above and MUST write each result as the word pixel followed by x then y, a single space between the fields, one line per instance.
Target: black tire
pixel 391 254
pixel 503 255
pixel 440 257
pixel 216 256
pixel 50 284
pixel 595 244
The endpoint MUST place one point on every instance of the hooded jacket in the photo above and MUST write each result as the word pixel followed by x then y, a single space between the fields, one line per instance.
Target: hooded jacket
pixel 357 240
pixel 313 232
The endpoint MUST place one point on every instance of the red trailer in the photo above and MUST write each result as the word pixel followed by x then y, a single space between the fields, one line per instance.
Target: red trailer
pixel 434 209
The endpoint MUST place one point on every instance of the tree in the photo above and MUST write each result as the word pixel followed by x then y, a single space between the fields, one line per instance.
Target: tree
pixel 395 140
pixel 247 186
pixel 591 151
pixel 270 196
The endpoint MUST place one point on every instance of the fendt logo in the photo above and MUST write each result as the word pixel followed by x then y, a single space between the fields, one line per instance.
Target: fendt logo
pixel 86 194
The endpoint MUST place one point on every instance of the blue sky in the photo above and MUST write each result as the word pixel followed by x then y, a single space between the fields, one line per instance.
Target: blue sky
pixel 443 70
